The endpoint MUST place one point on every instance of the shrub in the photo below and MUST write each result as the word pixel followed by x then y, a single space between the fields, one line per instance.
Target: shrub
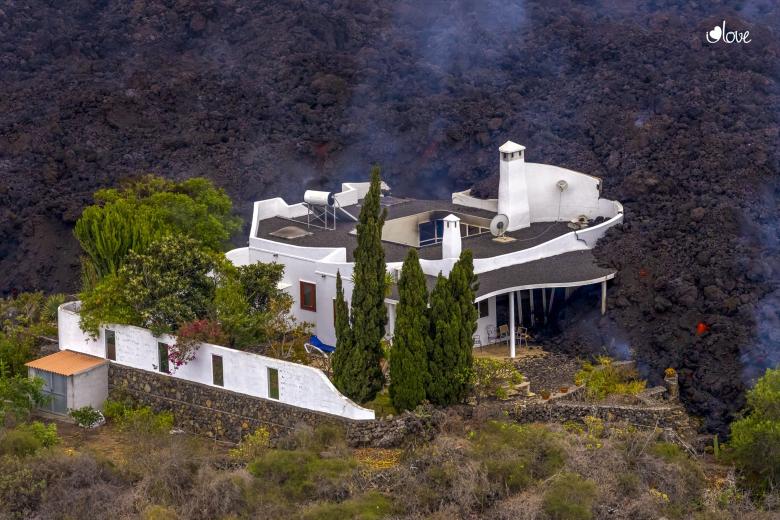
pixel 19 443
pixel 570 497
pixel 86 416
pixel 605 379
pixel 138 420
pixel 491 377
pixel 755 439
pixel 46 434
pixel 190 335
pixel 370 506
pixel 252 446
pixel 20 488
pixel 515 456
pixel 157 512
pixel 300 474
pixel 19 395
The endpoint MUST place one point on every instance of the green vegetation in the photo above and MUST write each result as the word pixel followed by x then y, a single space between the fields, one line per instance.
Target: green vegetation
pixel 86 416
pixel 370 506
pixel 606 379
pixel 252 446
pixel 135 216
pixel 356 361
pixel 570 497
pixel 516 456
pixel 408 357
pixel 19 395
pixel 161 288
pixel 494 378
pixel 452 325
pixel 755 438
pixel 26 439
pixel 140 420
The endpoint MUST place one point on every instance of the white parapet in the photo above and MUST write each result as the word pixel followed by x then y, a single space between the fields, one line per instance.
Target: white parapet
pixel 299 385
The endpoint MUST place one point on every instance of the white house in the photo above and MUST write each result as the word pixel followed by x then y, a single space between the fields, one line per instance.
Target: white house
pixel 548 219
pixel 531 247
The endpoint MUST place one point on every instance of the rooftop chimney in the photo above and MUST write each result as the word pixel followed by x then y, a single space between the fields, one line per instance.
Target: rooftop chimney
pixel 450 242
pixel 512 188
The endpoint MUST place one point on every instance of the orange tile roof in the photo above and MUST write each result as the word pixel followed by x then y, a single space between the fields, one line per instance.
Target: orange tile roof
pixel 66 363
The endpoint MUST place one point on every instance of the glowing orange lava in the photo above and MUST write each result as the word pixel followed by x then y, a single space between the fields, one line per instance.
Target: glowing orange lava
pixel 701 328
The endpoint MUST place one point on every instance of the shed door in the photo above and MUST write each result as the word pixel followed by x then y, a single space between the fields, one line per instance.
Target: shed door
pixel 55 387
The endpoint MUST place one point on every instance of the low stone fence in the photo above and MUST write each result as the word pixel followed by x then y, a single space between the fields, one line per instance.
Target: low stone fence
pixel 225 415
pixel 563 411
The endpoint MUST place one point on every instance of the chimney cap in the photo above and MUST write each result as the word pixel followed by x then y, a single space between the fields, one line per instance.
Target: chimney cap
pixel 451 218
pixel 509 147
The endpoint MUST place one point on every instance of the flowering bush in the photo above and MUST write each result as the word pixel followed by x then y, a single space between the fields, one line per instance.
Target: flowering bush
pixel 189 337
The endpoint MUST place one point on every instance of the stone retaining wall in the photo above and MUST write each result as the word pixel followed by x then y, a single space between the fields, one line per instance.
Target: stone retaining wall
pixel 226 415
pixel 563 411
pixel 213 412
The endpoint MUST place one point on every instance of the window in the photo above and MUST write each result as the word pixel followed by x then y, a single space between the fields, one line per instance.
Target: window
pixel 482 309
pixel 111 345
pixel 309 296
pixel 217 373
pixel 162 354
pixel 273 383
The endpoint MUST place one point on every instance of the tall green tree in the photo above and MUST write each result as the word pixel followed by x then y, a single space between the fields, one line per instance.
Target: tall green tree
pixel 167 285
pixel 463 286
pixel 443 332
pixel 343 356
pixel 134 216
pixel 357 371
pixel 452 325
pixel 409 356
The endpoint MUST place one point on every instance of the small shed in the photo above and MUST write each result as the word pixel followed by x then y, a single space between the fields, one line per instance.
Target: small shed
pixel 72 380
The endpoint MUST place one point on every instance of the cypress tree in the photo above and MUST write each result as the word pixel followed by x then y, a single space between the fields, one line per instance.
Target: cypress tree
pixel 358 372
pixel 408 357
pixel 444 330
pixel 463 286
pixel 344 343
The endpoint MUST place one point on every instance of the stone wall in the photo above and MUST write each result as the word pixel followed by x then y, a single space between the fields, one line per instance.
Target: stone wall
pixel 563 411
pixel 213 412
pixel 548 371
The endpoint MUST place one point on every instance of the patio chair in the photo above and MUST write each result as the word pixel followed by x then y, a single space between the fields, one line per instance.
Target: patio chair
pixel 503 333
pixel 492 334
pixel 477 341
pixel 521 335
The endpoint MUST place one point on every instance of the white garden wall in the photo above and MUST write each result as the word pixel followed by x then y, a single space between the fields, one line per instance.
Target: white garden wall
pixel 244 372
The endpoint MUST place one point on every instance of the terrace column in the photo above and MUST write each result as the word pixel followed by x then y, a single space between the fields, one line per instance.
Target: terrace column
pixel 512 325
pixel 603 297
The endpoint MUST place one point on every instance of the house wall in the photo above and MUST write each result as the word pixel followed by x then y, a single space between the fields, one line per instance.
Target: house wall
pixel 581 197
pixel 88 388
pixel 244 372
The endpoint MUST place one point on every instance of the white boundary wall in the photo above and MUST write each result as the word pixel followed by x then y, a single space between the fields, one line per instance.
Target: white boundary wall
pixel 244 372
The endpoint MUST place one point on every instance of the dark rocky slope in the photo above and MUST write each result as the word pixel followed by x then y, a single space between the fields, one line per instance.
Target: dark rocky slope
pixel 267 97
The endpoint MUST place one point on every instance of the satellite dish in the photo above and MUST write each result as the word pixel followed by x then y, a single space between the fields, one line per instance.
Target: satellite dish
pixel 499 224
pixel 562 185
pixel 498 228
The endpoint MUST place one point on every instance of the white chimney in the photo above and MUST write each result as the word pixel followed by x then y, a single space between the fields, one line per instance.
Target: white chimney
pixel 512 188
pixel 450 242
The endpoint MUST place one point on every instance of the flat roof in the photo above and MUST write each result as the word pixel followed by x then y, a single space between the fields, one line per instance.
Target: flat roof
pixel 482 246
pixel 66 363
pixel 568 269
